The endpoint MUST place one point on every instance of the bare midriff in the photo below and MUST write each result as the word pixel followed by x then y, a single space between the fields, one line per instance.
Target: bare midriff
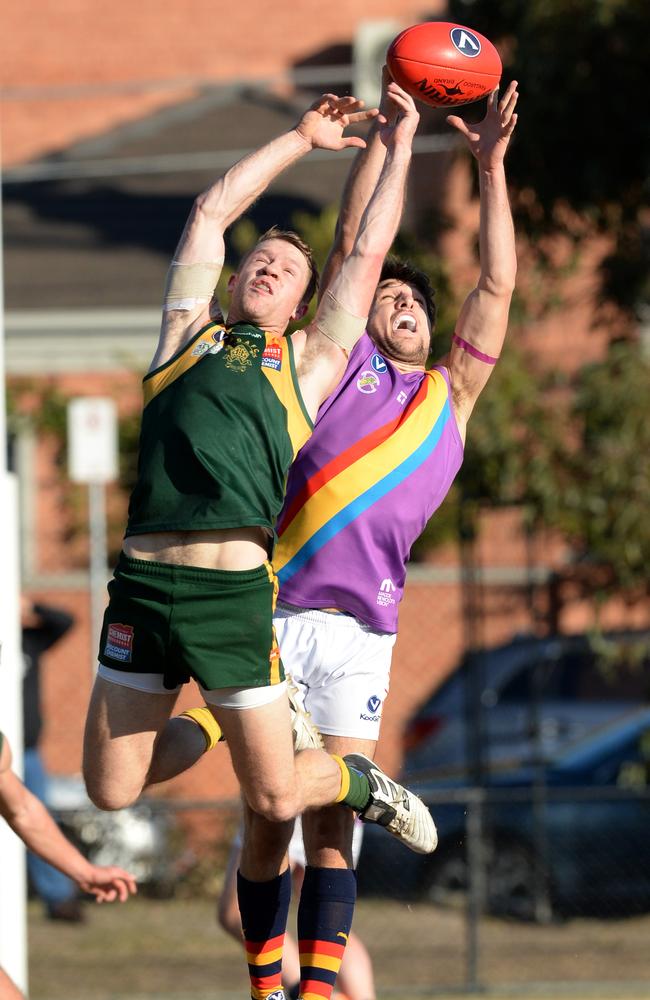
pixel 225 548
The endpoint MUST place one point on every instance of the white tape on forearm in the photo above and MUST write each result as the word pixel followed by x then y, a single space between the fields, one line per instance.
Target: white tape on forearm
pixel 337 324
pixel 189 285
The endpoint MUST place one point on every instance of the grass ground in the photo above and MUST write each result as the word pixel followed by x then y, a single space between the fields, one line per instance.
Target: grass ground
pixel 172 950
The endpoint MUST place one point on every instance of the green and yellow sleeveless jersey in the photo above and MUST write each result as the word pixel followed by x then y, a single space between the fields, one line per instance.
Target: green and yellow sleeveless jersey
pixel 222 421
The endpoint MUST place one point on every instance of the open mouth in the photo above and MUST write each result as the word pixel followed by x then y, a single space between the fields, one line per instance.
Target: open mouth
pixel 405 321
pixel 260 285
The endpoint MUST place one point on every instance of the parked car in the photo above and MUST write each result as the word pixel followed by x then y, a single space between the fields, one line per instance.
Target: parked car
pixel 588 854
pixel 527 699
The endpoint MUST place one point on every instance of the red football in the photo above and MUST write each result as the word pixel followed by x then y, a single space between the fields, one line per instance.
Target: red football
pixel 444 64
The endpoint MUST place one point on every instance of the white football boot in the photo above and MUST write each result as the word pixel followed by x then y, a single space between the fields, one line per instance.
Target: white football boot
pixel 305 734
pixel 392 806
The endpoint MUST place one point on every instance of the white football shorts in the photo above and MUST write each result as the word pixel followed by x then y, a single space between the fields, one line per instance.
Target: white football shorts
pixel 340 665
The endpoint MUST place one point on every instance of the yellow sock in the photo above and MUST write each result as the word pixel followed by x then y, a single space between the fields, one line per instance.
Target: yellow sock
pixel 208 724
pixel 345 777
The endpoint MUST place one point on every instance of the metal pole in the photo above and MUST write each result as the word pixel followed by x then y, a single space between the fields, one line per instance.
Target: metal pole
pixel 13 920
pixel 474 736
pixel 543 909
pixel 98 560
pixel 475 885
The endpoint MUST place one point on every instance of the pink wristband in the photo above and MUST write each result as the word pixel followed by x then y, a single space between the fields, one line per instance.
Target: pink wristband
pixel 485 358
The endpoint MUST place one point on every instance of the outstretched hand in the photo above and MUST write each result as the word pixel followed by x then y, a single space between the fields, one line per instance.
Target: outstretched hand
pixel 323 124
pixel 488 139
pixel 401 117
pixel 108 883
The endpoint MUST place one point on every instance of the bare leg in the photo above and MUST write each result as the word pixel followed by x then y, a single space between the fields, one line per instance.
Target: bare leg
pixel 328 831
pixel 122 731
pixel 356 978
pixel 180 746
pixel 274 783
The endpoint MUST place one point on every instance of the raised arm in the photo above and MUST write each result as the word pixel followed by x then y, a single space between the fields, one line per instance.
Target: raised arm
pixel 31 821
pixel 359 186
pixel 483 320
pixel 195 269
pixel 322 349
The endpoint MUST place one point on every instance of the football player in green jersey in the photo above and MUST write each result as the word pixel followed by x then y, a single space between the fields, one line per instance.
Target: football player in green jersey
pixel 227 406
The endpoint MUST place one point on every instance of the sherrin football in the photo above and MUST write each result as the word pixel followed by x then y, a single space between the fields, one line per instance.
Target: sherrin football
pixel 443 64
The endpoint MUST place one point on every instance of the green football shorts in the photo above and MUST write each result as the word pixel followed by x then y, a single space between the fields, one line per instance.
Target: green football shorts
pixel 213 625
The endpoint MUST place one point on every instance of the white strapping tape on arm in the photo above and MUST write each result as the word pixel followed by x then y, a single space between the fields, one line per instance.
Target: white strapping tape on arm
pixel 337 324
pixel 190 285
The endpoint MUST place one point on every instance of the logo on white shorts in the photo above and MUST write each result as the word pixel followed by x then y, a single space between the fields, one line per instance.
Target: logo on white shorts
pixel 373 705
pixel 386 590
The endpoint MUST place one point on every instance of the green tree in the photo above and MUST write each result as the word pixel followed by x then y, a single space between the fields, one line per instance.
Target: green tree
pixel 603 490
pixel 583 137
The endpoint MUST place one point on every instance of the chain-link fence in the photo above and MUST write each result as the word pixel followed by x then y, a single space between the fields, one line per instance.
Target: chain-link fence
pixel 530 888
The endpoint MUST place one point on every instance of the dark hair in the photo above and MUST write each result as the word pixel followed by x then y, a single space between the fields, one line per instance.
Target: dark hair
pixel 274 233
pixel 395 269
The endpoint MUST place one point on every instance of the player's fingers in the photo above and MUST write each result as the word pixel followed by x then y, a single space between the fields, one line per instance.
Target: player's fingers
pixel 363 116
pixel 323 102
pixel 123 889
pixel 507 111
pixel 125 883
pixel 353 140
pixel 347 105
pixel 402 100
pixel 395 89
pixel 507 95
pixel 510 127
pixel 458 124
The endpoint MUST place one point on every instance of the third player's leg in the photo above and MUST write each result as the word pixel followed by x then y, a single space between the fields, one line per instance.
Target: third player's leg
pixel 328 831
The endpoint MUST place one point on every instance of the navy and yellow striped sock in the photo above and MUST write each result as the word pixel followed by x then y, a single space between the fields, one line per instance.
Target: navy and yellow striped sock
pixel 324 921
pixel 264 908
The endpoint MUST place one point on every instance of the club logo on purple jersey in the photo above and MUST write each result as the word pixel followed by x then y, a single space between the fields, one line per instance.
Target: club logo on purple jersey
pixel 379 364
pixel 385 595
pixel 367 382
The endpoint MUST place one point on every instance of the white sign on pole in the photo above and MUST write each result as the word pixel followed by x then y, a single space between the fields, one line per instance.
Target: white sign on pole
pixel 92 440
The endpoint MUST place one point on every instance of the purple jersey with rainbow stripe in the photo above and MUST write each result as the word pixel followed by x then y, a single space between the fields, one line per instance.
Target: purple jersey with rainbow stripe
pixel 384 453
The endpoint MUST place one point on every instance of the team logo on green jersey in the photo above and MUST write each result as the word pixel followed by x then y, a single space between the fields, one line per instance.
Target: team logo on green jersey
pixel 239 354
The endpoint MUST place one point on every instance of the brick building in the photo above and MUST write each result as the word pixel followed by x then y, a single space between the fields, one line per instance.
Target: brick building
pixel 114 117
